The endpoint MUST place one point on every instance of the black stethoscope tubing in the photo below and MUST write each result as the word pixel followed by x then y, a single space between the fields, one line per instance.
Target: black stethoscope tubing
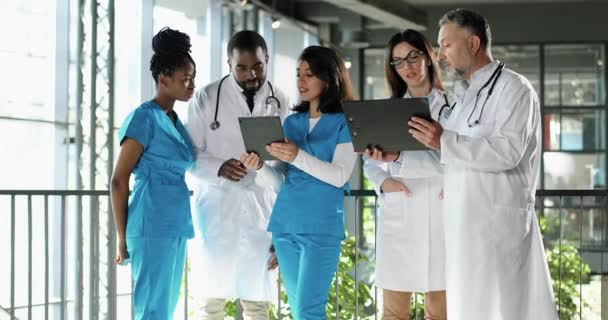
pixel 493 78
pixel 216 124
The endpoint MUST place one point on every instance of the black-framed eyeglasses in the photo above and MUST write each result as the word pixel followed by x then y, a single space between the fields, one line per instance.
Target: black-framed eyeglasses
pixel 411 58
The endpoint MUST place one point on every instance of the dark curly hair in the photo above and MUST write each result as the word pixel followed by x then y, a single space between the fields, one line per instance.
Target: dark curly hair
pixel 327 65
pixel 171 52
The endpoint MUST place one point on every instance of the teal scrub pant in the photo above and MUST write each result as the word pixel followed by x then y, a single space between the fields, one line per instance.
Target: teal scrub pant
pixel 157 266
pixel 307 263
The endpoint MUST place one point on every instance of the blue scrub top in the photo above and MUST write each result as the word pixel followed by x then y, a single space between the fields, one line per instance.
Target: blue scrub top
pixel 159 205
pixel 305 204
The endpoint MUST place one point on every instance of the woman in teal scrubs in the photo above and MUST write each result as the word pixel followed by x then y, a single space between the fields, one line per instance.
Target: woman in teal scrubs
pixel 307 222
pixel 155 222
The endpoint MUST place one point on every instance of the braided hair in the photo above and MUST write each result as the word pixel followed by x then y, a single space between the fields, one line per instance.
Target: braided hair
pixel 171 52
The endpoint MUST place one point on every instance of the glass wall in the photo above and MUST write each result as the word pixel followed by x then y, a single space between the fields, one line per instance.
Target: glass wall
pixel 574 75
pixel 288 44
pixel 524 59
pixel 27 59
pixel 193 21
pixel 374 85
pixel 33 131
pixel 574 116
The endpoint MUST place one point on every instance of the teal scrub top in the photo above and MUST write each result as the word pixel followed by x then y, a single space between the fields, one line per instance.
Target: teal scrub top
pixel 159 205
pixel 305 204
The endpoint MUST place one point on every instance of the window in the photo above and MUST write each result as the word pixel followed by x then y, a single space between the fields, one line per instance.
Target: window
pixel 524 60
pixel 574 129
pixel 574 75
pixel 289 42
pixel 566 170
pixel 374 87
pixel 27 59
pixel 193 21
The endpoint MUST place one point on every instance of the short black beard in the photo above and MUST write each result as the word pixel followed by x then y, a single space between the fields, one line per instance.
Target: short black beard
pixel 244 87
pixel 250 91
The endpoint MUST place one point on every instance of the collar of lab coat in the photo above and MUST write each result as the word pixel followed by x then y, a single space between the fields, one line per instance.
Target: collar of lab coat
pixel 478 79
pixel 262 92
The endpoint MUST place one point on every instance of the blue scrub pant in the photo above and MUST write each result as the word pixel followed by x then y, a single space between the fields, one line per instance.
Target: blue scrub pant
pixel 157 265
pixel 307 263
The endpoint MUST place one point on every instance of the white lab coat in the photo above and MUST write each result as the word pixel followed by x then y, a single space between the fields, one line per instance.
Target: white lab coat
pixel 230 218
pixel 496 264
pixel 410 247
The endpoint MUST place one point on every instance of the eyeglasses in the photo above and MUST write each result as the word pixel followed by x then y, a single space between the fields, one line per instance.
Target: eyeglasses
pixel 411 58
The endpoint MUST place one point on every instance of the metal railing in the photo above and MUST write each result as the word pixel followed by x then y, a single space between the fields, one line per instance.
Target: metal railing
pixel 48 219
pixel 45 273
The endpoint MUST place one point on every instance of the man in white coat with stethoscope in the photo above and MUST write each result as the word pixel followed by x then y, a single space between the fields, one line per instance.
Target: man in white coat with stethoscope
pixel 495 261
pixel 230 211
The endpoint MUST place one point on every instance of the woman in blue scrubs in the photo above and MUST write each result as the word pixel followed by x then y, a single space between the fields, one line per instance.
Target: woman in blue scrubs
pixel 155 222
pixel 307 222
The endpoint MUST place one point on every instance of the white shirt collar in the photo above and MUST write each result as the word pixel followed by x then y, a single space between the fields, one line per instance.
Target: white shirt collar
pixel 484 73
pixel 477 79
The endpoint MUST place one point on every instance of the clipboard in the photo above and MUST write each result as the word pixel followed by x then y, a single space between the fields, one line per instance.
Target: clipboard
pixel 258 132
pixel 384 123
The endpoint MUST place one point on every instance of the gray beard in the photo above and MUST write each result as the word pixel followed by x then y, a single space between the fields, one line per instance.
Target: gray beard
pixel 457 74
pixel 454 74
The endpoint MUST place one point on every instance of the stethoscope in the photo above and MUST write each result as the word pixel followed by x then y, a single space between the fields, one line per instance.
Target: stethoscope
pixel 216 124
pixel 446 108
pixel 492 80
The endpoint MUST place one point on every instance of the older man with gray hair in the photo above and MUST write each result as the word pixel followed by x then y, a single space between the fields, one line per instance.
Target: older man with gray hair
pixel 491 147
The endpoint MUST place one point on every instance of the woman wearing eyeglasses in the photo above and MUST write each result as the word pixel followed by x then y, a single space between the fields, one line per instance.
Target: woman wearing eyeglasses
pixel 410 254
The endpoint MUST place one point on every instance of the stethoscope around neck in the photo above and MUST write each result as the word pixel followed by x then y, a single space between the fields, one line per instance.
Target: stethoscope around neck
pixel 216 124
pixel 491 80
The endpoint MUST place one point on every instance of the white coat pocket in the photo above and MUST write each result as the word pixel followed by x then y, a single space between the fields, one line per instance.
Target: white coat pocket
pixel 509 231
pixel 480 130
pixel 393 217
